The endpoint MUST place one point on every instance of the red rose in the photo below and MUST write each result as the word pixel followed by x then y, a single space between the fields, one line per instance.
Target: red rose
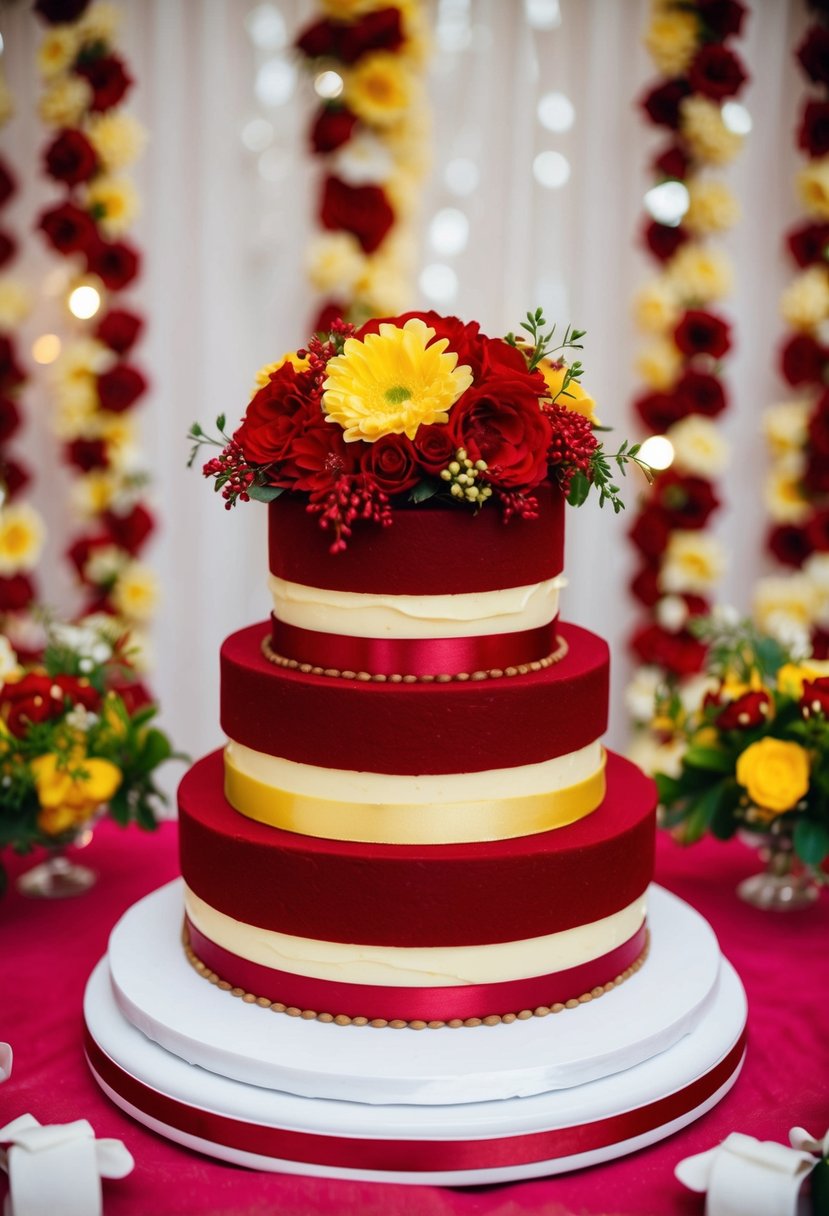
pixel 8 247
pixel 803 360
pixel 680 653
pixel 119 330
pixel 819 427
pixel 721 18
pixel 59 12
pixel 16 593
pixel 114 262
pixel 275 416
pixel 364 211
pixel 14 477
pixel 645 585
pixel 391 463
pixel 687 502
pixel 332 128
pixel 68 228
pixel 813 134
pixel 319 457
pixel 651 532
pixel 701 333
pixel 815 697
pixel 129 531
pixel 434 447
pixel 816 479
pixel 700 393
pixel 820 643
pixel 120 387
pixel 662 240
pixel 32 699
pixel 9 415
pixel 813 54
pixel 86 454
pixel 8 185
pixel 673 162
pixel 11 373
pixel 70 158
pixel 501 422
pixel 78 691
pixel 108 79
pixel 716 72
pixel 789 544
pixel 82 549
pixel 318 40
pixel 749 710
pixel 662 103
pixel 817 530
pixel 329 312
pixel 659 411
pixel 134 694
pixel 808 244
pixel 378 31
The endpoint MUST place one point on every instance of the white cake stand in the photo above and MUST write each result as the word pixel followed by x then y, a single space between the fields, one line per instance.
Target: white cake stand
pixel 445 1107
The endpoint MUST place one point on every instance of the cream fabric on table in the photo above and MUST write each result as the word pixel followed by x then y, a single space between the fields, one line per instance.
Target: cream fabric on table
pixel 224 288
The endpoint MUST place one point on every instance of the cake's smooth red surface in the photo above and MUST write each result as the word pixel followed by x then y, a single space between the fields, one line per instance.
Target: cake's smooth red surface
pixel 414 895
pixel 414 729
pixel 438 549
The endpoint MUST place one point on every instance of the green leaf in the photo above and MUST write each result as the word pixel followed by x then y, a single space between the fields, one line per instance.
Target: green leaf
pixel 579 489
pixel 708 758
pixel 425 489
pixel 155 750
pixel 701 814
pixel 811 841
pixel 265 493
pixel 669 788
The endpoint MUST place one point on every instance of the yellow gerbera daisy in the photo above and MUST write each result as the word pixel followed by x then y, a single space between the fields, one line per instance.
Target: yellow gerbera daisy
pixel 392 382
pixel 378 90
pixel 21 538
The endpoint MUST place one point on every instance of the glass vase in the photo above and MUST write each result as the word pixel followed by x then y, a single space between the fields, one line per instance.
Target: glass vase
pixel 59 876
pixel 786 883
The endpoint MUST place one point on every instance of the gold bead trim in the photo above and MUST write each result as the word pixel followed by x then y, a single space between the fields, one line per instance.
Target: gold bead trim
pixel 342 1019
pixel 367 677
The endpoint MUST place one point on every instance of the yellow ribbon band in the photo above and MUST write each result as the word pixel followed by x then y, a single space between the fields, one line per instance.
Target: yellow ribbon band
pixel 413 823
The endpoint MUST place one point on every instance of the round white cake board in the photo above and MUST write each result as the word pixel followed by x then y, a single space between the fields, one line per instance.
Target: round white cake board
pixel 158 991
pixel 457 1145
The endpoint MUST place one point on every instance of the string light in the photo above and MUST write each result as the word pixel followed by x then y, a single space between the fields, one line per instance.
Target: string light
pixel 84 301
pixel 551 169
pixel 658 452
pixel 328 85
pixel 736 118
pixel 667 203
pixel 46 348
pixel 556 112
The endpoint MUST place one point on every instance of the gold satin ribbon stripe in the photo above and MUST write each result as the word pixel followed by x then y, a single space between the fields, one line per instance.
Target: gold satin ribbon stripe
pixel 413 823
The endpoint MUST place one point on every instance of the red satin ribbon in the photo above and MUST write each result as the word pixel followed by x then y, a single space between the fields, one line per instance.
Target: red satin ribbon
pixel 410 1156
pixel 412 656
pixel 415 1004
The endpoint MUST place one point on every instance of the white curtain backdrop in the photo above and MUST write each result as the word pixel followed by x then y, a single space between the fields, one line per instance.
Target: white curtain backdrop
pixel 223 231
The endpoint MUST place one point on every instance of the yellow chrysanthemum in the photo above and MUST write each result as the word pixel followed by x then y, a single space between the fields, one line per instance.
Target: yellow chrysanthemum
pixel 711 207
pixel 136 592
pixel 264 374
pixel 335 263
pixel 378 89
pixel 655 306
pixel 75 413
pixel 349 10
pixel 709 139
pixel 15 303
pixel 64 102
pixel 22 534
pixel 659 364
pixel 805 302
pixel 118 433
pixel 574 397
pixel 70 793
pixel 672 39
pixel 114 203
pixel 693 563
pixel 813 187
pixel 393 382
pixel 57 50
pixel 700 275
pixel 383 287
pixel 99 23
pixel 699 448
pixel 785 426
pixel 94 493
pixel 791 598
pixel 784 497
pixel 118 139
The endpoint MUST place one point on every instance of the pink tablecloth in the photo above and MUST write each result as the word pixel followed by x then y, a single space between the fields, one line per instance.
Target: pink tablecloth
pixel 47 951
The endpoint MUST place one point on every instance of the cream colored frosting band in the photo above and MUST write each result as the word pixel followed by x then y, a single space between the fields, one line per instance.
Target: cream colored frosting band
pixel 425 966
pixel 359 615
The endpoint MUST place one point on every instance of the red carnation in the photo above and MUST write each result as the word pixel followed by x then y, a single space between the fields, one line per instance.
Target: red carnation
pixel 8 248
pixel 275 417
pixel 120 387
pixel 813 133
pixel 11 373
pixel 68 228
pixel 434 447
pixel 651 532
pixel 86 454
pixel 701 333
pixel 673 162
pixel 688 502
pixel 391 463
pixel 318 40
pixel 9 415
pixel 803 360
pixel 16 593
pixel 659 411
pixel 119 330
pixel 129 531
pixel 716 72
pixel 813 54
pixel 70 158
pixel 721 18
pixel 700 393
pixel 808 244
pixel 645 585
pixel 332 128
pixel 663 240
pixel 501 422
pixel 59 12
pixel 108 79
pixel 815 697
pixel 363 211
pixel 680 653
pixel 8 185
pixel 378 31
pixel 790 545
pixel 746 711
pixel 662 103
pixel 114 262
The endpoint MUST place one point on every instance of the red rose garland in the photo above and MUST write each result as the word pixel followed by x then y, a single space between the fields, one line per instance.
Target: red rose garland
pixel 795 607
pixel 369 131
pixel 679 563
pixel 97 385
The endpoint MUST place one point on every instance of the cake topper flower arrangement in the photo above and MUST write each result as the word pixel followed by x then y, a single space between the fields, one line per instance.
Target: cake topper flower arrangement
pixel 416 407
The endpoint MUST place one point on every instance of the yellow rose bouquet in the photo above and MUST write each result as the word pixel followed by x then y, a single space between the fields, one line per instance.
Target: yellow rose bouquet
pixel 755 751
pixel 76 739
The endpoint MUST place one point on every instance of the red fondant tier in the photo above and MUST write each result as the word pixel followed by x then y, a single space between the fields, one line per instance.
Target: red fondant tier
pixel 435 549
pixel 458 727
pixel 416 895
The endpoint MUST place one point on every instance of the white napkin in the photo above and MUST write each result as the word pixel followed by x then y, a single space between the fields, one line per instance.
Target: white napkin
pixel 58 1168
pixel 748 1177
